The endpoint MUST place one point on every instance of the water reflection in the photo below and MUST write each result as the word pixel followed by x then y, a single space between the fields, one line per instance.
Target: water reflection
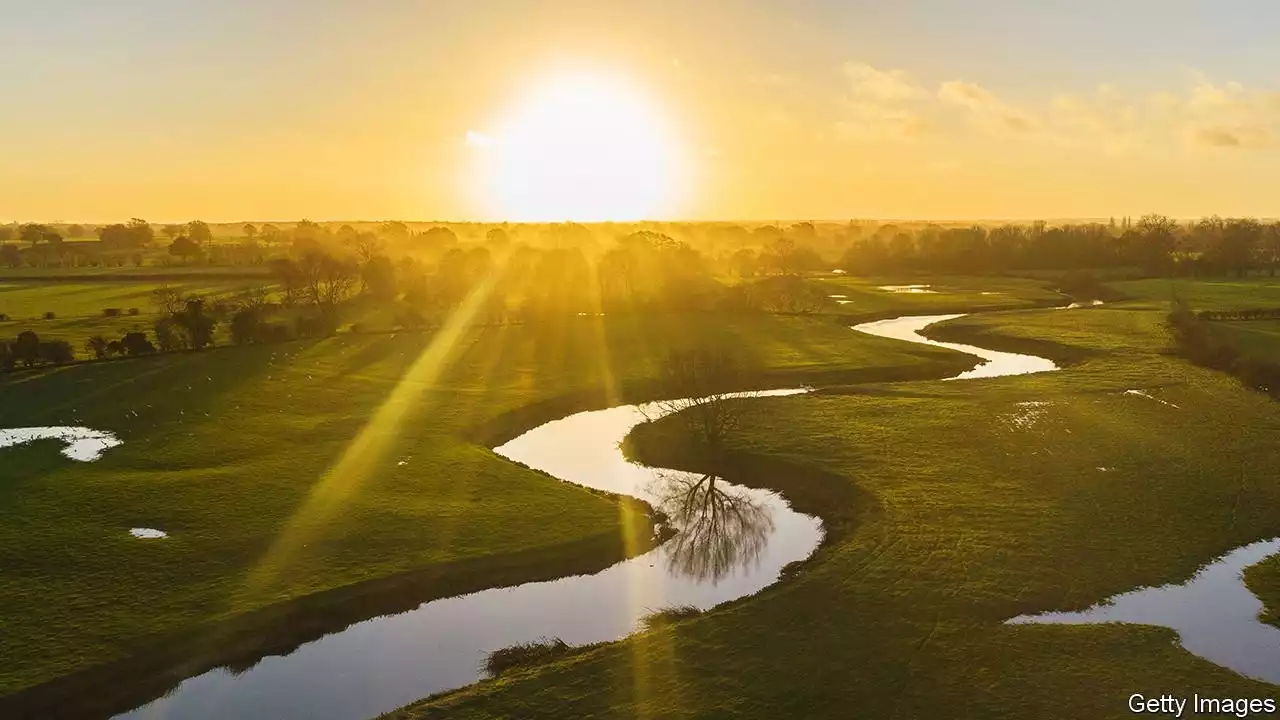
pixel 1214 613
pixel 721 526
pixel 736 542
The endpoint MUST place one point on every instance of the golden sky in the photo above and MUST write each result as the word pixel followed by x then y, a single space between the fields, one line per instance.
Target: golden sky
pixel 540 110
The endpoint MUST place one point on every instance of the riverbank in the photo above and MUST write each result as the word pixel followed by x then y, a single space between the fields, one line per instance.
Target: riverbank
pixel 996 498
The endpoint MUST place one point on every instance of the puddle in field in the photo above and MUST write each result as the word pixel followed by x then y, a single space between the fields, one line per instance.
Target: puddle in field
pixel 1214 613
pixel 1075 305
pixel 148 533
pixel 917 289
pixel 82 444
pixel 1149 396
pixel 1029 413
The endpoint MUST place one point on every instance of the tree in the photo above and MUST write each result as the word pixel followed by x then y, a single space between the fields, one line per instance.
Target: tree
pixel 169 336
pixel 56 352
pixel 168 299
pixel 135 344
pixel 379 278
pixel 200 233
pixel 289 276
pixel 247 326
pixel 702 386
pixel 306 230
pixel 1157 237
pixel 328 280
pixel 75 231
pixel 394 230
pixel 173 231
pixel 98 346
pixel 10 255
pixel 32 233
pixel 196 323
pixel 497 238
pixel 365 245
pixel 184 248
pixel 439 238
pixel 141 231
pixel 26 349
pixel 250 231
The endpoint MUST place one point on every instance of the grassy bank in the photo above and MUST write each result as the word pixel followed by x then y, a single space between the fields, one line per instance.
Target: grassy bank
pixel 988 507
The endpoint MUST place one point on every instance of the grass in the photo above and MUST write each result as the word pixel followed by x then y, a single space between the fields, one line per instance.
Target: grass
pixel 658 619
pixel 525 655
pixel 864 298
pixel 78 307
pixel 975 516
pixel 224 450
pixel 1216 294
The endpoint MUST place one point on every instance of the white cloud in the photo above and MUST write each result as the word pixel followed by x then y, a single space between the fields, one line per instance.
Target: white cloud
pixel 867 81
pixel 987 111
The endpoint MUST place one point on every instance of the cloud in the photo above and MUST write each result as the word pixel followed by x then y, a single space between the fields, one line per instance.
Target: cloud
pixel 867 81
pixel 1216 137
pixel 987 111
pixel 879 105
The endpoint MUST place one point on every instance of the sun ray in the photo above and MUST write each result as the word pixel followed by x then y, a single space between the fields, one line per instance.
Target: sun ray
pixel 368 449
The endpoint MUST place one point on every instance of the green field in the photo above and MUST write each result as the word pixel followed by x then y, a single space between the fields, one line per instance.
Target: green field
pixel 78 306
pixel 864 297
pixel 315 469
pixel 975 517
pixel 222 449
pixel 1206 294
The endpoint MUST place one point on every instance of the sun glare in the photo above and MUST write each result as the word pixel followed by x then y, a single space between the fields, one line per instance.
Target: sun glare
pixel 579 146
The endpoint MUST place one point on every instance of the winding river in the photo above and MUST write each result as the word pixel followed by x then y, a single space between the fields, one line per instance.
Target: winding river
pixel 385 662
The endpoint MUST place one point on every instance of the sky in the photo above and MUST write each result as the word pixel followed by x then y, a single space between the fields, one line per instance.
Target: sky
pixel 174 110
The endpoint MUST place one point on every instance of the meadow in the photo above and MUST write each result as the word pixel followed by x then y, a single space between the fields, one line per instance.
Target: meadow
pixel 286 470
pixel 976 509
pixel 296 481
pixel 78 305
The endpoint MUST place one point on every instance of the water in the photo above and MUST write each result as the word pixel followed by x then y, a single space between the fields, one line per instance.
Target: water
pixel 995 363
pixel 148 533
pixel 910 289
pixel 81 443
pixel 734 542
pixel 1214 613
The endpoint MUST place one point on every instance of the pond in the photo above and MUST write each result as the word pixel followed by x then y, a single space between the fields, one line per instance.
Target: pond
pixel 79 443
pixel 1214 613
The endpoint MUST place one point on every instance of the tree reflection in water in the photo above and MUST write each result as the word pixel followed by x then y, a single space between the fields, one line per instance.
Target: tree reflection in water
pixel 720 527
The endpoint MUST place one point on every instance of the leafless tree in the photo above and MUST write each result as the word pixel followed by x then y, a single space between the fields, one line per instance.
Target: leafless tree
pixel 703 390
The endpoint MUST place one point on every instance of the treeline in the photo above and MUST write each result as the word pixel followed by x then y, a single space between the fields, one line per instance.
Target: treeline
pixel 1155 243
pixel 1196 339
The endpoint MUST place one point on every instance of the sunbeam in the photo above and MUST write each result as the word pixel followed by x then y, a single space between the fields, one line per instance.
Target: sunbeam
pixel 367 451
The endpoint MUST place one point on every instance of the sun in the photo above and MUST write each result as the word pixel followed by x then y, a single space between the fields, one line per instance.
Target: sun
pixel 582 146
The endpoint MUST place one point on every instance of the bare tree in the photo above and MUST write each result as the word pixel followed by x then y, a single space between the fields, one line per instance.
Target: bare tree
pixel 703 387
pixel 169 299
